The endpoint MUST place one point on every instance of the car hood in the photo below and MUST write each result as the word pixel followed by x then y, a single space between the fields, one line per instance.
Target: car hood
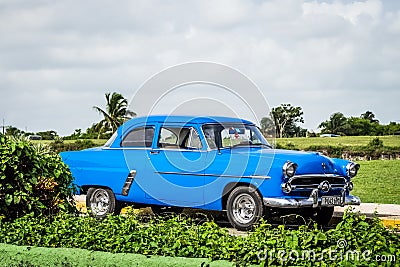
pixel 308 162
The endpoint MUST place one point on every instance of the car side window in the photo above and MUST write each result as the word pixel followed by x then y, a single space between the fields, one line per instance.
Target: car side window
pixel 209 133
pixel 179 138
pixel 193 141
pixel 139 137
pixel 168 138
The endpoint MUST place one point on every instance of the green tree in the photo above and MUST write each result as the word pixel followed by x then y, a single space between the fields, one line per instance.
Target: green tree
pixel 14 131
pixel 392 128
pixel 284 117
pixel 267 126
pixel 358 126
pixel 369 115
pixel 337 124
pixel 115 114
pixel 48 135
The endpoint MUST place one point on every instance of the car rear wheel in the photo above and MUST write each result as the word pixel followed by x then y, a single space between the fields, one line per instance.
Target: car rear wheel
pixel 101 202
pixel 244 208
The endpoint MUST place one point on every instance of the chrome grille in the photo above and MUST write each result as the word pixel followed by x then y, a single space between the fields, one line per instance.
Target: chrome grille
pixel 309 182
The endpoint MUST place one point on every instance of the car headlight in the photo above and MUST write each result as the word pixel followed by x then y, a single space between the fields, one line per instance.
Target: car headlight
pixel 352 169
pixel 289 169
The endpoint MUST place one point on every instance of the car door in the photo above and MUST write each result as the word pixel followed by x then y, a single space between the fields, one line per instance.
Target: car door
pixel 177 164
pixel 135 144
pixel 226 164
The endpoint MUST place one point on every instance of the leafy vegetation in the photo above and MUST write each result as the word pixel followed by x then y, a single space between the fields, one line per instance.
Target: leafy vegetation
pixel 59 146
pixel 115 115
pixel 374 149
pixel 285 117
pixel 184 237
pixel 366 124
pixel 33 179
pixel 302 143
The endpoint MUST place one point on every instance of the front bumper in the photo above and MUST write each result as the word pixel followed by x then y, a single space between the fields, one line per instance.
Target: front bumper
pixel 313 201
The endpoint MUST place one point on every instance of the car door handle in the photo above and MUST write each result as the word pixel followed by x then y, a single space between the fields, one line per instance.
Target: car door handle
pixel 154 152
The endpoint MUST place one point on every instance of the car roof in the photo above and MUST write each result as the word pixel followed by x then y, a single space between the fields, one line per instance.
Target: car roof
pixel 185 119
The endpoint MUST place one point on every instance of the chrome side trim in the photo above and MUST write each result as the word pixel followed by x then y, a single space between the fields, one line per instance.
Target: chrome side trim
pixel 218 175
pixel 128 182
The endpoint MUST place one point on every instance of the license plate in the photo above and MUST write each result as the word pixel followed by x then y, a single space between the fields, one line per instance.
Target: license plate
pixel 332 201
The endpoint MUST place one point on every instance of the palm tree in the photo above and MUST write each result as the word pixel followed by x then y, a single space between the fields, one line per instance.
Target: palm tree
pixel 336 124
pixel 369 115
pixel 116 113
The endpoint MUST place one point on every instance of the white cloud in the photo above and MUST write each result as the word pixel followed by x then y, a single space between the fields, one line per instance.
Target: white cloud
pixel 60 57
pixel 348 11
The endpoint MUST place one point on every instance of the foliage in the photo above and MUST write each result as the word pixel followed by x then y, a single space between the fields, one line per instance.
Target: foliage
pixel 376 143
pixel 285 117
pixel 335 125
pixel 32 180
pixel 58 146
pixel 14 131
pixel 267 126
pixel 184 237
pixel 345 141
pixel 48 135
pixel 116 113
pixel 91 133
pixel 369 115
pixel 364 125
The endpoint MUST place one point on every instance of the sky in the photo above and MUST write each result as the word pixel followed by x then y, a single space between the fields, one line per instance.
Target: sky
pixel 59 58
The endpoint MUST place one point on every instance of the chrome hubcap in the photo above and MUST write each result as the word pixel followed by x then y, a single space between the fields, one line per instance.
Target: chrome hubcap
pixel 244 208
pixel 100 202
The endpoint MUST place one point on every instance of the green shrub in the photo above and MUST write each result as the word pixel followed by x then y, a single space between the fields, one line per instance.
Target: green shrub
pixel 60 146
pixel 376 143
pixel 184 237
pixel 33 179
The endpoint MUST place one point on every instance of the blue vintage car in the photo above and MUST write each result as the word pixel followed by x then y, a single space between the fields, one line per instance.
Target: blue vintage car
pixel 211 163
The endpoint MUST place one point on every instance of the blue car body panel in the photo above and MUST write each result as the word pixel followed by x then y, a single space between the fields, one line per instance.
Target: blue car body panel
pixel 199 177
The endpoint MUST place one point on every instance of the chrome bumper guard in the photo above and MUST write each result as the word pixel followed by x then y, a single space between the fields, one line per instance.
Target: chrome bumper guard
pixel 313 201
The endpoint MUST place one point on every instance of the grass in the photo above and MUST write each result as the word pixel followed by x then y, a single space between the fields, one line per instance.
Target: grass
pixel 302 142
pixel 11 255
pixel 378 181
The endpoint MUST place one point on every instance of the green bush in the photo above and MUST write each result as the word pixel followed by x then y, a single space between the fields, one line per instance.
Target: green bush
pixel 376 143
pixel 184 237
pixel 33 180
pixel 60 146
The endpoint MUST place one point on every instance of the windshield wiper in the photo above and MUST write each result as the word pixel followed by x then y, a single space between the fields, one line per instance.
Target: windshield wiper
pixel 250 144
pixel 261 144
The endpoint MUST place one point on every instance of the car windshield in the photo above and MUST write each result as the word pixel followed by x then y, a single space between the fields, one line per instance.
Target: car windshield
pixel 233 135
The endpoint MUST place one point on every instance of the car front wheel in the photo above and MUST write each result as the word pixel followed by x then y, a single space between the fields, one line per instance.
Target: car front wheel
pixel 101 202
pixel 244 208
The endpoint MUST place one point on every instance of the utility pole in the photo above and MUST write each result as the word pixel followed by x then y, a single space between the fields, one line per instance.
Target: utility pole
pixel 4 126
